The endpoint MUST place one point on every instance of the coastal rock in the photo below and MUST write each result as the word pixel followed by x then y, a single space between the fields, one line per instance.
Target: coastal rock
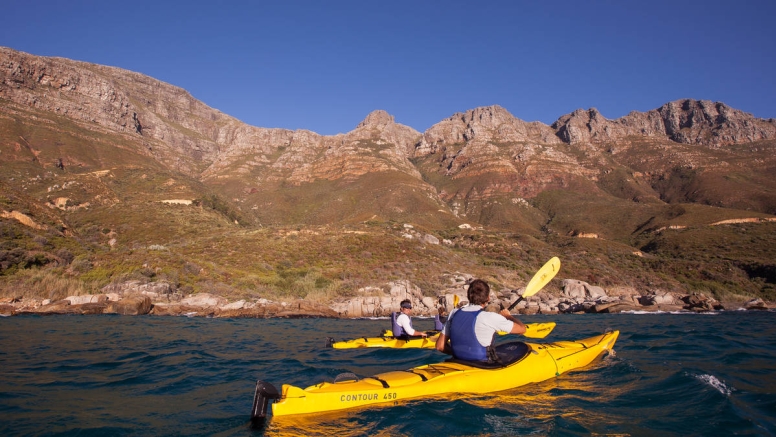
pixel 756 304
pixel 296 309
pixel 573 289
pixel 615 307
pixel 303 309
pixel 55 307
pixel 133 305
pixel 87 298
pixel 404 290
pixel 428 302
pixel 238 305
pixel 158 291
pixel 378 303
pixel 204 300
pixel 700 303
pixel 177 309
pixel 91 307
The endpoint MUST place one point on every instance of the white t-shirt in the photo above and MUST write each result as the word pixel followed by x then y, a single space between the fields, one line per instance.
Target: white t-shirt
pixel 403 320
pixel 486 325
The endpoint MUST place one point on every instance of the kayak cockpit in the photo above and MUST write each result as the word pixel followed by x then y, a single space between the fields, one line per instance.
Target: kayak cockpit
pixel 506 354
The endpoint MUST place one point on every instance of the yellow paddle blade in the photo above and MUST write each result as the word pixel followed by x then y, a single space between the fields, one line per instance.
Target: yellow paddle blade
pixel 535 330
pixel 538 330
pixel 542 277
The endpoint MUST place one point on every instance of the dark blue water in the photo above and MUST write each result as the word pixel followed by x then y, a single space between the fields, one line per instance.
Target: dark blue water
pixel 673 374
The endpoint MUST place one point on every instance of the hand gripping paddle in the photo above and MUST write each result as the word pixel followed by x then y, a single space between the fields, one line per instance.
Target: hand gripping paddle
pixel 540 279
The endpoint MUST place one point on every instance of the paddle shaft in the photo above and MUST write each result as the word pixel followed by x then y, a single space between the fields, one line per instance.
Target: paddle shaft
pixel 514 304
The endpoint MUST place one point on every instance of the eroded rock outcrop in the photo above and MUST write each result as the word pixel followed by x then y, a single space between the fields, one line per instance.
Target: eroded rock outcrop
pixel 685 121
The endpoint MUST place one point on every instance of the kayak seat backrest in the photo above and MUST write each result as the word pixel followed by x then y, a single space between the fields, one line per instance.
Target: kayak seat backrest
pixel 508 353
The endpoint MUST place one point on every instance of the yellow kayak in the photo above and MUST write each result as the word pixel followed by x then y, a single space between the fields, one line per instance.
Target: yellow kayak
pixel 532 330
pixel 535 362
pixel 387 340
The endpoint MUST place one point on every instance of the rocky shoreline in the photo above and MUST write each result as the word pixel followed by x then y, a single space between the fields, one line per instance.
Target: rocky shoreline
pixel 161 298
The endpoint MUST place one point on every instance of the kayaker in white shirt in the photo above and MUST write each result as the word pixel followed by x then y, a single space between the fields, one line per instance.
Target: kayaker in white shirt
pixel 403 322
pixel 470 330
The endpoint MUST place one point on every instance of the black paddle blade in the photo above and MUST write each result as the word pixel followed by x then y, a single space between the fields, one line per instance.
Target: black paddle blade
pixel 264 393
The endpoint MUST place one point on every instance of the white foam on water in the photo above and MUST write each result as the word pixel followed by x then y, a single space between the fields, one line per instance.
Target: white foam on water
pixel 716 383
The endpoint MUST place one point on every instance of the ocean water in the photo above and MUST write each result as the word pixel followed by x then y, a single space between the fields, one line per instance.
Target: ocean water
pixel 672 374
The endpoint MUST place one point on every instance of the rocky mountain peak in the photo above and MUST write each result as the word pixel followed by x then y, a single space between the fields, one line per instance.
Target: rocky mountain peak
pixel 685 121
pixel 483 124
pixel 486 117
pixel 701 121
pixel 378 119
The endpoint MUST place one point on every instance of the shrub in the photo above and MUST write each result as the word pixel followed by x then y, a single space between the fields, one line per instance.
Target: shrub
pixel 80 264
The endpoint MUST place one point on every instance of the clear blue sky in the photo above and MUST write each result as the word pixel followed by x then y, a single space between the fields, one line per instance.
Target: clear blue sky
pixel 324 65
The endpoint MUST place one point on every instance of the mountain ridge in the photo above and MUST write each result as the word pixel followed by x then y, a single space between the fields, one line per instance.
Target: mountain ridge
pixel 685 163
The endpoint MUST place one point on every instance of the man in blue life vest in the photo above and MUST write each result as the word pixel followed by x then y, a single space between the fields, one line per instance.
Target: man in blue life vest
pixel 470 330
pixel 402 325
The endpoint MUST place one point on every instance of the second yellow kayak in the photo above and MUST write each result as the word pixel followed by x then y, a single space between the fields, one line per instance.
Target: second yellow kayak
pixel 532 330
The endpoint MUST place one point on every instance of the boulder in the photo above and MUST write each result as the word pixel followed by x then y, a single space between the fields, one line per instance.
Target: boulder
pixel 87 298
pixel 91 308
pixel 544 308
pixel 303 309
pixel 756 304
pixel 663 298
pixel 404 290
pixel 700 303
pixel 429 302
pixel 233 306
pixel 615 307
pixel 55 307
pixel 204 300
pixel 176 309
pixel 430 239
pixel 573 289
pixel 133 305
pixel 595 292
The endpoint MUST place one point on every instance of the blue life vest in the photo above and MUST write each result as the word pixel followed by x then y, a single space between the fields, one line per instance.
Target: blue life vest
pixel 463 339
pixel 398 331
pixel 438 323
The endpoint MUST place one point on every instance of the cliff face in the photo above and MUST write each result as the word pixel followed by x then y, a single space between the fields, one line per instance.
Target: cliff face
pixel 164 121
pixel 683 121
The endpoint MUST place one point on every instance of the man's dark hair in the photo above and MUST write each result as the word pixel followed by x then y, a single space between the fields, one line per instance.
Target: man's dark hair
pixel 406 303
pixel 479 292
